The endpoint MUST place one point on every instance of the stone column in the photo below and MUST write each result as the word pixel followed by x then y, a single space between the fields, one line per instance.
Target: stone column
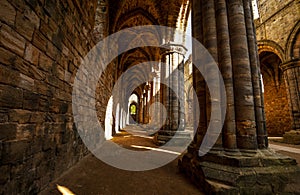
pixel 181 98
pixel 173 93
pixel 145 102
pixel 291 72
pixel 229 128
pixel 141 109
pixel 241 68
pixel 240 159
pixel 262 137
pixel 156 120
pixel 149 99
pixel 154 109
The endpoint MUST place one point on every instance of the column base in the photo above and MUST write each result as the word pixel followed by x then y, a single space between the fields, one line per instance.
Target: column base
pixel 292 137
pixel 179 138
pixel 262 173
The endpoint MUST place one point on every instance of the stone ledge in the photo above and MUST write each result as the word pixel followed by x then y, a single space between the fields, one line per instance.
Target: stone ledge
pixel 179 138
pixel 292 137
pixel 266 178
pixel 263 158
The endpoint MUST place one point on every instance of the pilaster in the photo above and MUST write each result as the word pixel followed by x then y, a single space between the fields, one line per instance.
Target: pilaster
pixel 291 72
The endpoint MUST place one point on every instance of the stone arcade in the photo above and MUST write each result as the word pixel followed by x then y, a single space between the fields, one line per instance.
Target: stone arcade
pixel 42 44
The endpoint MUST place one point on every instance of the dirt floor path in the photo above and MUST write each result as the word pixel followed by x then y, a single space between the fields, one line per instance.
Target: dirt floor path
pixel 92 176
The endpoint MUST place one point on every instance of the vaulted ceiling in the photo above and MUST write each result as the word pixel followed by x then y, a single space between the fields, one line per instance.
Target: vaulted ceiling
pixel 130 13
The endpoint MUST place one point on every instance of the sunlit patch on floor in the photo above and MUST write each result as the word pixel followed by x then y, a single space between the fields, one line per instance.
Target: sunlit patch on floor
pixel 156 149
pixel 64 190
pixel 144 136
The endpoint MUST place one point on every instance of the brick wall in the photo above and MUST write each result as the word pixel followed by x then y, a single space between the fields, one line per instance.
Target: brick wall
pixel 278 118
pixel 41 44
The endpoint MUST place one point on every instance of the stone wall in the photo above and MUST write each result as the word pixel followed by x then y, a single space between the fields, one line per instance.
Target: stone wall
pixel 296 46
pixel 104 92
pixel 41 45
pixel 277 19
pixel 273 29
pixel 106 80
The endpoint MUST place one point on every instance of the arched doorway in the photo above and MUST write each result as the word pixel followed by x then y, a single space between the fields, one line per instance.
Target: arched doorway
pixel 133 108
pixel 133 113
pixel 277 112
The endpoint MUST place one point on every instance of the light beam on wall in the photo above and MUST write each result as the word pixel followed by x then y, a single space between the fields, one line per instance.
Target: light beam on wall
pixel 255 9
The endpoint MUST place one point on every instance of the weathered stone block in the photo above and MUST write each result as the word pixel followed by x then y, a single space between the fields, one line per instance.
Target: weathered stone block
pixel 31 100
pixel 3 117
pixel 10 96
pixel 37 117
pixel 11 40
pixel 14 151
pixel 45 63
pixel 45 179
pixel 57 39
pixel 45 30
pixel 7 12
pixel 26 82
pixel 52 51
pixel 48 145
pixel 44 104
pixel 43 89
pixel 8 131
pixel 292 137
pixel 7 57
pixel 25 131
pixel 58 71
pixel 50 8
pixel 23 66
pixel 26 22
pixel 5 174
pixel 39 40
pixel 19 116
pixel 38 159
pixel 32 54
pixel 36 73
pixel 54 107
pixel 9 76
pixel 12 187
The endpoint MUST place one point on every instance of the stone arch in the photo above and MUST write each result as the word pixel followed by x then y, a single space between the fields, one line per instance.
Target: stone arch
pixel 134 57
pixel 183 15
pixel 131 8
pixel 138 12
pixel 293 43
pixel 277 109
pixel 271 46
pixel 133 117
pixel 189 92
pixel 108 123
pixel 126 18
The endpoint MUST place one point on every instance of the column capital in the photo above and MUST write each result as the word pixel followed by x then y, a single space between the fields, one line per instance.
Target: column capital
pixel 290 64
pixel 173 48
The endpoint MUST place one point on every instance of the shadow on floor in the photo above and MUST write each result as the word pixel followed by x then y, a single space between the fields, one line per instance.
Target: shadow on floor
pixel 92 176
